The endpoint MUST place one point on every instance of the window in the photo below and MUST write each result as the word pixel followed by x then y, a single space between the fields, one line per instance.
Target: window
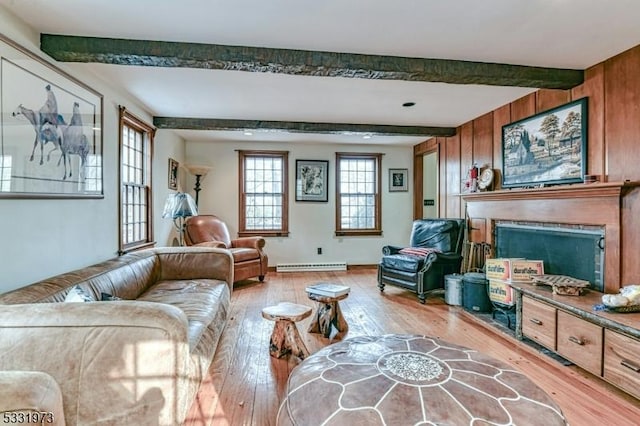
pixel 93 169
pixel 358 203
pixel 263 193
pixel 136 141
pixel 5 173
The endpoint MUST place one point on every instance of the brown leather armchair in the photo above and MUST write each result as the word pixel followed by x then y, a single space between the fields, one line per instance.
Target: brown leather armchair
pixel 248 257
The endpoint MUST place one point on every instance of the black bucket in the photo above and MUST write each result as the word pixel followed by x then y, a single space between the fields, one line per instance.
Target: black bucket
pixel 475 297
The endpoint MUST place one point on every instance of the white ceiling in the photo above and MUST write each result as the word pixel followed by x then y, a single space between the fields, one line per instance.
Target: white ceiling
pixel 549 33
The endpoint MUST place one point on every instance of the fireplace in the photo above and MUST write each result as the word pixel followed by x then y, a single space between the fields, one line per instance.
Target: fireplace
pixel 597 207
pixel 573 250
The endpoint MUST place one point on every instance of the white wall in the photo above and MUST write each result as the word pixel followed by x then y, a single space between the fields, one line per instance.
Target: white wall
pixel 430 184
pixel 311 225
pixel 43 237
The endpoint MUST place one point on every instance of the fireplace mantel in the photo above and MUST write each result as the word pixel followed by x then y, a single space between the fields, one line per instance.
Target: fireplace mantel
pixel 608 189
pixel 581 204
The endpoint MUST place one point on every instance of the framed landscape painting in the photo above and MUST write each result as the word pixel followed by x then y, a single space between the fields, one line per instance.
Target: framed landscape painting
pixel 51 130
pixel 548 148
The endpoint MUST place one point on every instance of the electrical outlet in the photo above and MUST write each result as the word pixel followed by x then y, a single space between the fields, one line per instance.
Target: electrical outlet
pixel 319 250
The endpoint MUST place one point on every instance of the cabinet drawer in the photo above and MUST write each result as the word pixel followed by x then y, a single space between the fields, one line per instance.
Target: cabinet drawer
pixel 580 341
pixel 539 322
pixel 622 362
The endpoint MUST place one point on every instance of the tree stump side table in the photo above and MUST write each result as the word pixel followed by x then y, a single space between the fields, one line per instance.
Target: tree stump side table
pixel 328 315
pixel 285 337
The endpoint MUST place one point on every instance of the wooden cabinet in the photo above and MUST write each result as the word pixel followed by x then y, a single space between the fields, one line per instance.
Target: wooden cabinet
pixel 539 322
pixel 606 344
pixel 580 341
pixel 622 361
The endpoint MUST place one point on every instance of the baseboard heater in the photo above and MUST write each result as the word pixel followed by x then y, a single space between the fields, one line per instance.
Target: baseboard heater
pixel 309 267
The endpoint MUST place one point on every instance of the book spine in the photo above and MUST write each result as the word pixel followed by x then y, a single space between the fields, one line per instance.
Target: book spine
pixel 324 293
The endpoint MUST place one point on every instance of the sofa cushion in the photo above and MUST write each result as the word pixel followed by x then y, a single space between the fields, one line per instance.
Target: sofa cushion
pixel 205 302
pixel 206 228
pixel 244 254
pixel 443 234
pixel 126 277
pixel 403 262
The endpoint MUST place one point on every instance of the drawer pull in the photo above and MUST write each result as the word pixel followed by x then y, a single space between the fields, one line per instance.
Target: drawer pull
pixel 630 365
pixel 576 340
pixel 535 321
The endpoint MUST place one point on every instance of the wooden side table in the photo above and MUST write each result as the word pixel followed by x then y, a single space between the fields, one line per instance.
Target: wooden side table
pixel 328 315
pixel 285 337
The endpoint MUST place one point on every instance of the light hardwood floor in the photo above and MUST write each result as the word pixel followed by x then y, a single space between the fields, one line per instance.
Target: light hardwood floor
pixel 245 385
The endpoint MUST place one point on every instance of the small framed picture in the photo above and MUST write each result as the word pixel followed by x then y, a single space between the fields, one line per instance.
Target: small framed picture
pixel 173 174
pixel 312 180
pixel 398 180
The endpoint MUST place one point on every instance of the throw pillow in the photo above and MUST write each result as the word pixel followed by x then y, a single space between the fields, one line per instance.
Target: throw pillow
pixel 77 294
pixel 106 297
pixel 419 251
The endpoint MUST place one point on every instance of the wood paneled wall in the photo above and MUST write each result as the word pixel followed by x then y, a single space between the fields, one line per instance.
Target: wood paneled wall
pixel 613 89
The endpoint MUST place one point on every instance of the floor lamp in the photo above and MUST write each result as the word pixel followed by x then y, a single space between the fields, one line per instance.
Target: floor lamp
pixel 199 172
pixel 179 206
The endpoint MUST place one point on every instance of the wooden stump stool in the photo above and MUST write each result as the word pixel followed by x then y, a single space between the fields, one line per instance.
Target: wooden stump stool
pixel 285 337
pixel 328 319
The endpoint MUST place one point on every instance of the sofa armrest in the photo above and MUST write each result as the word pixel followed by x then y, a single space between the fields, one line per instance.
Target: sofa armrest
pixel 189 263
pixel 257 243
pixel 447 257
pixel 211 244
pixel 388 250
pixel 31 394
pixel 121 362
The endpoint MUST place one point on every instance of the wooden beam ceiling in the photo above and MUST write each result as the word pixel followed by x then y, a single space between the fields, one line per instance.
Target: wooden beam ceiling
pixel 299 127
pixel 66 48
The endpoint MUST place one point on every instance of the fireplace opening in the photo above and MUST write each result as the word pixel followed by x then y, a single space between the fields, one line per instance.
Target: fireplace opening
pixel 575 251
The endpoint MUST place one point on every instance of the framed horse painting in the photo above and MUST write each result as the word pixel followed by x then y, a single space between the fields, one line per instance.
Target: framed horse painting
pixel 51 129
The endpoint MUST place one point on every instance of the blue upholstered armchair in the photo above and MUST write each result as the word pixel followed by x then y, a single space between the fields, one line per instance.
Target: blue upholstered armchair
pixel 435 250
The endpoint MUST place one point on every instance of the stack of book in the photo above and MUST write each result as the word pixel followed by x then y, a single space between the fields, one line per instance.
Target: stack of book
pixel 327 289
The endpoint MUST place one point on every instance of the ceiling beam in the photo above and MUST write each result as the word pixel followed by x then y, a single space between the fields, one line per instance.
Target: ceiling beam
pixel 299 127
pixel 66 48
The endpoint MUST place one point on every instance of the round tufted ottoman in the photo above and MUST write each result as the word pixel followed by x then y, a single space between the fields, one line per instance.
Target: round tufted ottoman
pixel 408 380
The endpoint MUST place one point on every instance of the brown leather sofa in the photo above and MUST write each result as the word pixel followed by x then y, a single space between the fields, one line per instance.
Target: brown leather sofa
pixel 137 361
pixel 248 257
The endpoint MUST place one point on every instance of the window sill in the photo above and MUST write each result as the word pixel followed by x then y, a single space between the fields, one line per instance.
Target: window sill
pixel 359 233
pixel 136 247
pixel 265 234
